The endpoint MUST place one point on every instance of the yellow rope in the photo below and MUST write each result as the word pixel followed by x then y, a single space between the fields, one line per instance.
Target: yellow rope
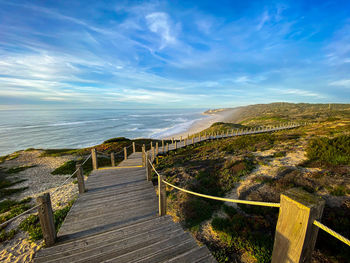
pixel 224 199
pixel 331 232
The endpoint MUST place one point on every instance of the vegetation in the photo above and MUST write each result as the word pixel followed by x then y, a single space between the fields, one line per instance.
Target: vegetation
pixel 15 170
pixel 118 139
pixel 32 225
pixel 13 208
pixel 329 151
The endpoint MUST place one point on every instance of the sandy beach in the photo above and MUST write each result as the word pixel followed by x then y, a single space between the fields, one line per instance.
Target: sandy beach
pixel 209 117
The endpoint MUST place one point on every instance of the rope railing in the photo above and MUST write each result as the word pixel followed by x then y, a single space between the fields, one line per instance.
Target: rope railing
pixel 332 232
pixel 216 197
pixel 35 207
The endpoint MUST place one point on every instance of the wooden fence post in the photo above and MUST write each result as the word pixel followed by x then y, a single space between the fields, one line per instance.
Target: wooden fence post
pixel 296 234
pixel 94 159
pixel 80 179
pixel 172 140
pixel 143 155
pixel 175 145
pixel 185 142
pixel 167 147
pixel 163 146
pixel 112 159
pixel 153 153
pixel 46 219
pixel 162 196
pixel 151 145
pixel 125 153
pixel 133 147
pixel 157 148
pixel 148 167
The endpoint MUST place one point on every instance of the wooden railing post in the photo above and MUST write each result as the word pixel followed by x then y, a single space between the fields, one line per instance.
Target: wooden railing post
pixel 112 159
pixel 46 219
pixel 157 148
pixel 94 159
pixel 163 146
pixel 133 147
pixel 296 234
pixel 167 147
pixel 153 153
pixel 172 140
pixel 162 196
pixel 148 167
pixel 143 155
pixel 175 145
pixel 185 142
pixel 80 179
pixel 151 145
pixel 125 153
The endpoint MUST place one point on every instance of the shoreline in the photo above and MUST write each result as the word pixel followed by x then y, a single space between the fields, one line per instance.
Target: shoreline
pixel 211 116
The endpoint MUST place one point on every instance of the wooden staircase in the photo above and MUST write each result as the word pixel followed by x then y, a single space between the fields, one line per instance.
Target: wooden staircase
pixel 117 220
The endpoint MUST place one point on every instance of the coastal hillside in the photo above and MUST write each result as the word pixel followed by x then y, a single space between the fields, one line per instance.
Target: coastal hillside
pixel 314 157
pixel 258 167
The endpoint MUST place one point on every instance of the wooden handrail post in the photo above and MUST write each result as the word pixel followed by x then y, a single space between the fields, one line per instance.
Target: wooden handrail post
pixel 157 148
pixel 162 196
pixel 148 167
pixel 94 159
pixel 151 145
pixel 172 140
pixel 143 155
pixel 133 147
pixel 163 146
pixel 80 178
pixel 153 153
pixel 180 138
pixel 185 142
pixel 167 147
pixel 296 234
pixel 112 159
pixel 125 154
pixel 175 145
pixel 46 219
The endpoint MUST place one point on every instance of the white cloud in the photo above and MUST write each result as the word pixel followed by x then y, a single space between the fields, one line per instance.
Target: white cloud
pixel 264 18
pixel 159 23
pixel 342 82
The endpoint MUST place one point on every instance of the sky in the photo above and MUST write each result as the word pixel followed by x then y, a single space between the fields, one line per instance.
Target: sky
pixel 172 54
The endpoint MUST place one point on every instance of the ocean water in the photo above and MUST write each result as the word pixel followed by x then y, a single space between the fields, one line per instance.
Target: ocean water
pixel 21 129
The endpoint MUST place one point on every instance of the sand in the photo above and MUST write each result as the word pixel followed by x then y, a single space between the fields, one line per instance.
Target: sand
pixel 38 180
pixel 209 117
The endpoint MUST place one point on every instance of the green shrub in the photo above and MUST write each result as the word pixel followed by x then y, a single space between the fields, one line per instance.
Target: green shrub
pixel 117 139
pixel 7 205
pixel 334 151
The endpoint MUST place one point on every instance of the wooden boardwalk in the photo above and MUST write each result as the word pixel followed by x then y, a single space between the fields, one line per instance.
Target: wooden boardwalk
pixel 117 220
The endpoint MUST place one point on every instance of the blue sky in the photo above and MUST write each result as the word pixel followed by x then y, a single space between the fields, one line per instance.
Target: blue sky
pixel 203 54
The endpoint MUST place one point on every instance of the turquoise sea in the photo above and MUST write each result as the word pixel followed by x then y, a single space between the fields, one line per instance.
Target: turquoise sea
pixel 22 129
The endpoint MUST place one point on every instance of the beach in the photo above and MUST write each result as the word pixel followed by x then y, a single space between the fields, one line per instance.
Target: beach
pixel 209 117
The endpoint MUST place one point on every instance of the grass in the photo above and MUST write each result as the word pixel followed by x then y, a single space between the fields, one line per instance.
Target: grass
pixel 9 157
pixel 7 235
pixel 61 152
pixel 32 225
pixel 15 209
pixel 15 170
pixel 7 205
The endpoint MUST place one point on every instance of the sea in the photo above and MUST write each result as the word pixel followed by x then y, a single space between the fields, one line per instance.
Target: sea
pixel 78 128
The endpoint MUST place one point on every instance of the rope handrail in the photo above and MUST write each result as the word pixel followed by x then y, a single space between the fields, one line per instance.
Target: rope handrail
pixel 216 197
pixel 33 208
pixel 332 232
